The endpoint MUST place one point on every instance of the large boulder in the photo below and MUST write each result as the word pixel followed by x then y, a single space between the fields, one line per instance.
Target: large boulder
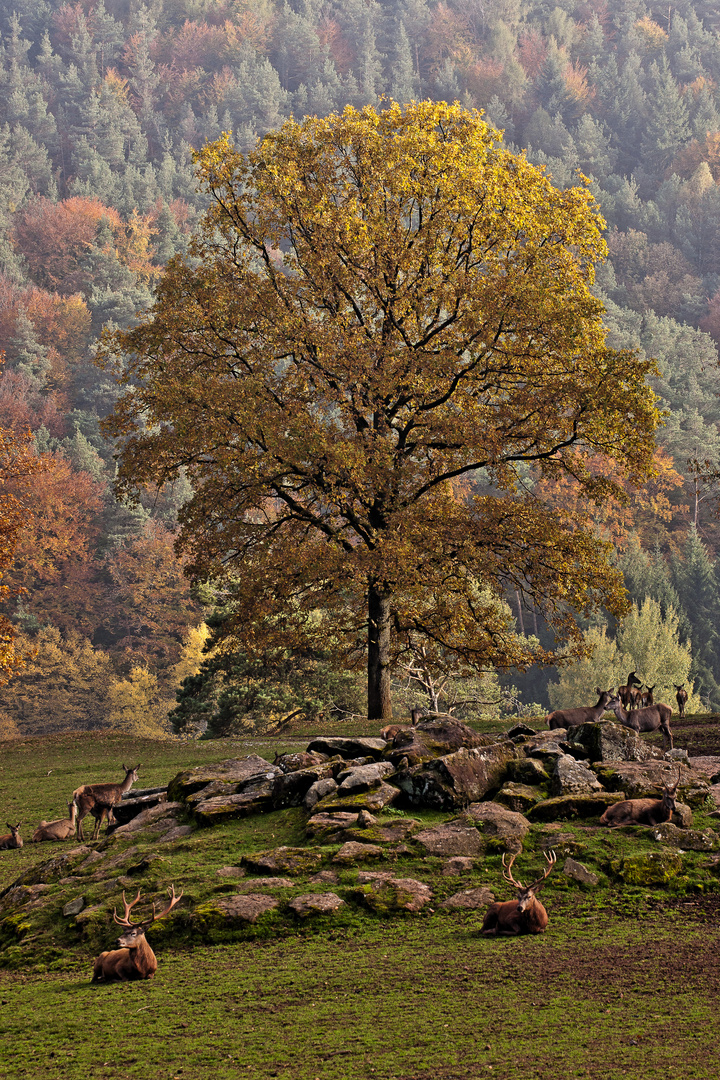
pixel 290 788
pixel 497 821
pixel 233 911
pixel 453 838
pixel 387 895
pixel 687 839
pixel 363 777
pixel 643 780
pixel 705 768
pixel 328 828
pixel 254 800
pixel 454 781
pixel 353 852
pixel 319 790
pixel 648 867
pixel 571 777
pixel 434 737
pixel 566 807
pixel 469 900
pixel 373 800
pixel 283 860
pixel 148 815
pixel 349 748
pixel 528 770
pixel 239 772
pixel 313 904
pixel 518 797
pixel 606 741
pixel 127 809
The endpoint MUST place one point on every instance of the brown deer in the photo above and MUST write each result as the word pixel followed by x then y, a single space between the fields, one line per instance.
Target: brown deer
pixel 585 714
pixel 60 829
pixel 648 719
pixel 13 839
pixel 647 697
pixel 681 696
pixel 134 959
pixel 525 915
pixel 99 799
pixel 643 811
pixel 390 731
pixel 628 694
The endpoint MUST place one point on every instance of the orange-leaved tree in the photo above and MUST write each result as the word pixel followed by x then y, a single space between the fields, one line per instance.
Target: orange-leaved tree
pixel 18 465
pixel 378 304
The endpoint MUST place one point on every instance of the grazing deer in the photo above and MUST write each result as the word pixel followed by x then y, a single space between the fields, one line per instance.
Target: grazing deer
pixel 13 839
pixel 628 695
pixel 525 915
pixel 99 799
pixel 681 696
pixel 60 829
pixel 648 719
pixel 134 959
pixel 586 714
pixel 643 811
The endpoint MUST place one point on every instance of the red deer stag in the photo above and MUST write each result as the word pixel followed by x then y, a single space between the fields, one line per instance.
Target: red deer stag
pixel 643 811
pixel 60 829
pixel 13 839
pixel 99 799
pixel 585 714
pixel 681 696
pixel 525 915
pixel 134 959
pixel 648 719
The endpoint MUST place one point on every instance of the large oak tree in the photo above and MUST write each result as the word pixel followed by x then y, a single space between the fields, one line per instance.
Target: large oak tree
pixel 385 324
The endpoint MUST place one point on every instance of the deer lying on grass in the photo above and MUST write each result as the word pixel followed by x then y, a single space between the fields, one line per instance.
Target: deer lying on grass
pixel 60 829
pixel 585 714
pixel 99 799
pixel 681 696
pixel 525 915
pixel 13 839
pixel 643 811
pixel 134 959
pixel 651 718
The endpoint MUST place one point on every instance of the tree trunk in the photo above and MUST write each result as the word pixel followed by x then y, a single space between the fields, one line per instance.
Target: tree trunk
pixel 379 698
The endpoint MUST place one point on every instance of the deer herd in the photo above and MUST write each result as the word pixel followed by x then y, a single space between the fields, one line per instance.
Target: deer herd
pixel 633 706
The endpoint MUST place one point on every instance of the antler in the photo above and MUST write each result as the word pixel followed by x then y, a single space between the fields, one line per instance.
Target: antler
pixel 125 921
pixel 173 901
pixel 672 788
pixel 551 859
pixel 507 872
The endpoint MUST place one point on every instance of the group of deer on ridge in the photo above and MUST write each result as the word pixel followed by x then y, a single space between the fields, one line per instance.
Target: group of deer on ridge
pixel 635 709
pixel 133 959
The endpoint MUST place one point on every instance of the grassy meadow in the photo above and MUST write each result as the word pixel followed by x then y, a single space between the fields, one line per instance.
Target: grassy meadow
pixel 625 983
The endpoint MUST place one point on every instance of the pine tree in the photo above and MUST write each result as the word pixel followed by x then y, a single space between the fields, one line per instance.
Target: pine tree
pixel 696 583
pixel 668 125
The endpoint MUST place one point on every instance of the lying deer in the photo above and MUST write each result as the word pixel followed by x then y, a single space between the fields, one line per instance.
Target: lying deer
pixel 648 719
pixel 60 829
pixel 99 799
pixel 681 696
pixel 13 839
pixel 134 959
pixel 643 811
pixel 585 714
pixel 525 915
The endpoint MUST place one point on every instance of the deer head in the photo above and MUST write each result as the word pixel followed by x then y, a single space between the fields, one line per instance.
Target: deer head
pixel 135 931
pixel 526 893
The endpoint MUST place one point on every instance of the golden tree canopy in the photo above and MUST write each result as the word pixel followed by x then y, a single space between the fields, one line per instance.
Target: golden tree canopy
pixel 385 319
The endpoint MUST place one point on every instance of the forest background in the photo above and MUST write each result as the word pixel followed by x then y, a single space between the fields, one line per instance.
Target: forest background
pixel 101 106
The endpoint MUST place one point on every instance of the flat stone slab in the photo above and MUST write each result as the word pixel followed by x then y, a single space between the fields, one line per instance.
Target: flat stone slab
pixel 363 777
pixel 469 899
pixel 497 820
pixel 269 883
pixel 127 809
pixel 353 852
pixel 706 768
pixel 687 839
pixel 245 908
pixel 148 816
pixel 328 826
pixel 245 804
pixel 238 771
pixel 231 872
pixel 451 839
pixel 283 860
pixel 458 866
pixel 178 832
pixel 349 747
pixel 313 904
pixel 374 800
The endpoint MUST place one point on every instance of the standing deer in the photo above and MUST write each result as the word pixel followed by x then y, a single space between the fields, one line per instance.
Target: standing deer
pixel 585 714
pixel 134 959
pixel 60 829
pixel 628 695
pixel 13 839
pixel 648 719
pixel 525 915
pixel 647 697
pixel 99 799
pixel 681 696
pixel 643 811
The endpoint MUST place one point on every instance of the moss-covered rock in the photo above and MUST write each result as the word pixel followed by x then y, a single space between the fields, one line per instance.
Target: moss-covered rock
pixel 284 860
pixel 565 807
pixel 386 896
pixel 235 771
pixel 648 867
pixel 519 797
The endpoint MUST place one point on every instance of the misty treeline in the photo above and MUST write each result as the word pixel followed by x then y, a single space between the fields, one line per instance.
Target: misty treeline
pixel 101 106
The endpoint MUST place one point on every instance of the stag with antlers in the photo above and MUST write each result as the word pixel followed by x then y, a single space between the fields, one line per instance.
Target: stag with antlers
pixel 134 959
pixel 524 915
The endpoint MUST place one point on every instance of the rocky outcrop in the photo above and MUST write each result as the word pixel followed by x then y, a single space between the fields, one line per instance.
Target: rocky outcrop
pixel 291 788
pixel 353 852
pixel 363 777
pixel 642 780
pixel 239 772
pixel 453 781
pixel 687 839
pixel 434 737
pixel 450 839
pixel 518 797
pixel 571 777
pixel 612 742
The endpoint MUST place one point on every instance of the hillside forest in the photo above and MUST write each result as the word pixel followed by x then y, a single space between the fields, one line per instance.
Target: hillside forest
pixel 102 106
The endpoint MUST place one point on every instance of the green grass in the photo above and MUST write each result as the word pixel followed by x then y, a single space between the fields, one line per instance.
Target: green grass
pixel 624 984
